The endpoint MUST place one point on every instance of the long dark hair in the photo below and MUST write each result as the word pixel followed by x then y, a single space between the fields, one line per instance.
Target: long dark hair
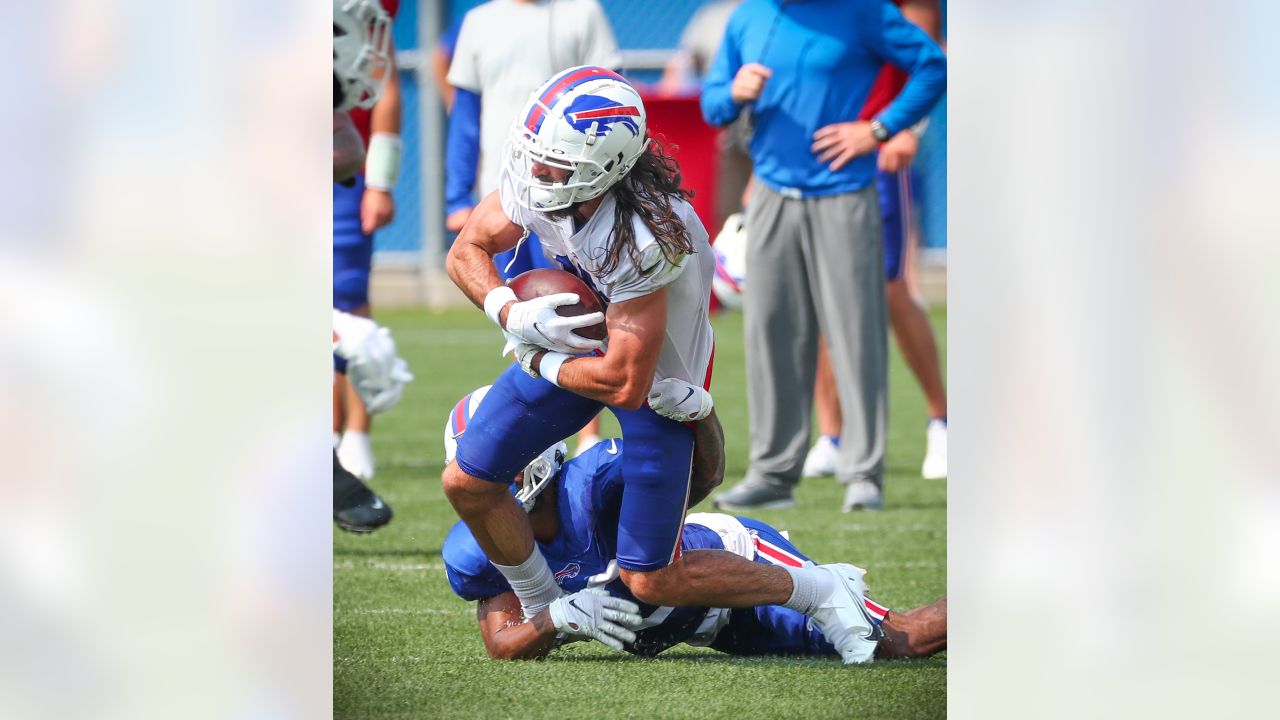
pixel 647 191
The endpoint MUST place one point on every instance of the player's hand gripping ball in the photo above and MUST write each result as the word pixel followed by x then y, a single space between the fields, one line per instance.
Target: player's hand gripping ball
pixel 550 283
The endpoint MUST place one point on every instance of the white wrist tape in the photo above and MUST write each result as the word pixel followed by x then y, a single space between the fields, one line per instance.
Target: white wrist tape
pixel 919 128
pixel 549 366
pixel 382 163
pixel 496 300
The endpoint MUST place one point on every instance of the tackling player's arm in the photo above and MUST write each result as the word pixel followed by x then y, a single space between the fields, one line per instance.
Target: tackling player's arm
pixel 470 263
pixel 506 636
pixel 708 458
pixel 622 377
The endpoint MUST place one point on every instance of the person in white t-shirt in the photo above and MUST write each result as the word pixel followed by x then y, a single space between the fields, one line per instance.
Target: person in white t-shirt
pixel 581 171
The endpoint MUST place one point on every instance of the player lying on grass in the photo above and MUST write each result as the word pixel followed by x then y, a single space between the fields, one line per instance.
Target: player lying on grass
pixel 573 508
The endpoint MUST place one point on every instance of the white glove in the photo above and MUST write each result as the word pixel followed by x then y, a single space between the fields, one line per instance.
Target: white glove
pixel 536 322
pixel 373 367
pixel 680 401
pixel 593 613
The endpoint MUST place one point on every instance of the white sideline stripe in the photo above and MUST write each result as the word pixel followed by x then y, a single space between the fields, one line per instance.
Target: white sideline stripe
pixel 395 567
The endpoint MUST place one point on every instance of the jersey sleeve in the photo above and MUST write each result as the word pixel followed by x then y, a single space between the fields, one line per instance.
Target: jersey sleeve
pixel 471 575
pixel 654 271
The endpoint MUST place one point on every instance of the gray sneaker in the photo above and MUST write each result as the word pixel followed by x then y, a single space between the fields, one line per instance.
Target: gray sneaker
pixel 754 495
pixel 863 495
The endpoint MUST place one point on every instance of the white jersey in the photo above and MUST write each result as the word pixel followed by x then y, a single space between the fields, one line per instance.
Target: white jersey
pixel 506 49
pixel 687 347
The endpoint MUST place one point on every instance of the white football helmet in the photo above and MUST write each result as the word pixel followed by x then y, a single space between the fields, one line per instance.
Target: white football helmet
pixel 730 249
pixel 587 120
pixel 537 474
pixel 361 53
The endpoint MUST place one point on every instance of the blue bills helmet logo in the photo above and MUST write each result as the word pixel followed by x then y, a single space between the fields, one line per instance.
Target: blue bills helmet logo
pixel 588 110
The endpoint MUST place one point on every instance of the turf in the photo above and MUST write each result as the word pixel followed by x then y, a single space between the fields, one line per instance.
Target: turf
pixel 405 647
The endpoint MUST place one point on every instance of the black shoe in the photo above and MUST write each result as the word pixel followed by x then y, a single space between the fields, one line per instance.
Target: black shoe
pixel 356 508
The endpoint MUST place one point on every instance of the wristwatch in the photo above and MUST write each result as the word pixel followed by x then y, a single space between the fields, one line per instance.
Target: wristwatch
pixel 879 131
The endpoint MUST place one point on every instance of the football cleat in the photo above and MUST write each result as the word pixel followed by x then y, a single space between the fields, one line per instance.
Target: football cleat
pixel 822 457
pixel 935 456
pixel 356 508
pixel 843 617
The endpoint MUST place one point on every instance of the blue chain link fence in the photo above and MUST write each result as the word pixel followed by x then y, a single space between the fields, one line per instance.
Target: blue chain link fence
pixel 638 25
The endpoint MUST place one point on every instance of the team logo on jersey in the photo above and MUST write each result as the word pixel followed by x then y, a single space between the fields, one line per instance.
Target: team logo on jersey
pixel 569 572
pixel 586 110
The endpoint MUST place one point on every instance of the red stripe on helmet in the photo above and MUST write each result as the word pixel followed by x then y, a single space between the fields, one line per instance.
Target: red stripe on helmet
pixel 536 114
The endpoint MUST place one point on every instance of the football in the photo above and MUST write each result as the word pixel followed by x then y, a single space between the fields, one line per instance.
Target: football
pixel 548 281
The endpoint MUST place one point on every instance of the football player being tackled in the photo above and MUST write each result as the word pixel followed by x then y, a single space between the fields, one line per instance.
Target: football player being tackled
pixel 573 507
pixel 579 170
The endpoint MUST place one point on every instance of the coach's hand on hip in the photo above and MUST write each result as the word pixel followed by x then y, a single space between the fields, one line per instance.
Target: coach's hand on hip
pixel 749 82
pixel 839 143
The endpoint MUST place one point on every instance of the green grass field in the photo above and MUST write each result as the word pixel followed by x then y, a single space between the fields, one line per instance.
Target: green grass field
pixel 405 647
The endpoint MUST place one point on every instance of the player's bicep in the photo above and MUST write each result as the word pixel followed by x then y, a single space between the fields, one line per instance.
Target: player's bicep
pixel 637 328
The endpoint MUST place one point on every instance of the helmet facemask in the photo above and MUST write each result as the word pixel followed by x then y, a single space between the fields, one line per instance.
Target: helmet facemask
pixel 539 473
pixel 361 52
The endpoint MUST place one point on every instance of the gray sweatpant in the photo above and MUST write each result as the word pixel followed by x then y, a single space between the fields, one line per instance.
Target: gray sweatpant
pixel 815 266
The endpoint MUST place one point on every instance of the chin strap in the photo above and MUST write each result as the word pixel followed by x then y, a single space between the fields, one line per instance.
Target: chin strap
pixel 516 253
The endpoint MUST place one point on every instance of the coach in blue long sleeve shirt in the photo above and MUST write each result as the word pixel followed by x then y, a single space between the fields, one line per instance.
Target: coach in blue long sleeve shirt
pixel 815 264
pixel 822 57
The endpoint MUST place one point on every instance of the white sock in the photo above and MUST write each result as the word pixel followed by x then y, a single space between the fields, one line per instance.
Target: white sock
pixel 809 587
pixel 532 582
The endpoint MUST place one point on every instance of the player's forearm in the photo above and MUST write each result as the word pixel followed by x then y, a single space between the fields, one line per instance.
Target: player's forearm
pixel 708 458
pixel 610 380
pixel 522 641
pixel 386 114
pixel 471 268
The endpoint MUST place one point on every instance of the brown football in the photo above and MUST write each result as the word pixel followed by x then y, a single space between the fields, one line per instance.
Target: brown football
pixel 548 281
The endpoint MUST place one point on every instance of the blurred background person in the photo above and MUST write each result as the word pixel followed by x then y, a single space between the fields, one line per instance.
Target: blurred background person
pixel 908 319
pixel 814 245
pixel 440 60
pixel 359 209
pixel 505 50
pixel 683 76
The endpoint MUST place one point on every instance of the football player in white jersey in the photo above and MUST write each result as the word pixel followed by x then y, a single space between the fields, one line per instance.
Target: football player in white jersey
pixel 580 171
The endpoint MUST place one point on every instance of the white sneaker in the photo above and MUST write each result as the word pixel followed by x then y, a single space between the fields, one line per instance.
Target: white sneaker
pixel 355 453
pixel 843 618
pixel 862 495
pixel 935 455
pixel 586 442
pixel 821 460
